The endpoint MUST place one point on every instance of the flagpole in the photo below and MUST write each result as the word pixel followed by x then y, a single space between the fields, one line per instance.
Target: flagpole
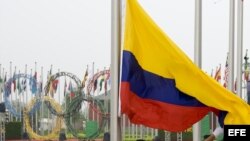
pixel 231 46
pixel 26 92
pixel 239 47
pixel 14 91
pixel 19 95
pixel 30 86
pixel 10 115
pixel 50 73
pixel 42 108
pixel 115 131
pixel 197 56
pixel 1 82
pixel 35 73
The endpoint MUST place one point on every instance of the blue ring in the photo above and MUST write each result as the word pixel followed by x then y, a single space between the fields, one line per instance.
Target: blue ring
pixel 7 92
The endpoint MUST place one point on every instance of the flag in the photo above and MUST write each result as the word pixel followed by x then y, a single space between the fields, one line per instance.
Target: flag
pixel 1 84
pixel 85 78
pixel 5 78
pixel 70 88
pixel 65 87
pixel 217 76
pixel 226 73
pixel 161 87
pixel 35 76
pixel 55 84
pixel 19 86
pixel 14 81
pixel 33 83
pixel 95 85
pixel 1 80
pixel 53 87
pixel 107 78
pixel 101 81
pixel 40 85
pixel 246 68
pixel 24 85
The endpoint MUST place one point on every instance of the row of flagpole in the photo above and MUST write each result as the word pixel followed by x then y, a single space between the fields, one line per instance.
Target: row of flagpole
pixel 115 54
pixel 198 45
pixel 22 94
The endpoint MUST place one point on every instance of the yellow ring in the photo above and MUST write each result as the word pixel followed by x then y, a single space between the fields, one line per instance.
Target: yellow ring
pixel 55 131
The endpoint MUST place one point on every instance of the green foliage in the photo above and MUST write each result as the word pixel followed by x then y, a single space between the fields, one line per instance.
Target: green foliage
pixel 13 130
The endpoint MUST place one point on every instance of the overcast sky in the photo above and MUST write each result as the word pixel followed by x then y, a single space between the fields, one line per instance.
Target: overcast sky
pixel 71 34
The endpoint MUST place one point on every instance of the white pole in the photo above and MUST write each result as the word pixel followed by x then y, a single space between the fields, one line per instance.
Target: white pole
pixel 19 95
pixel 26 90
pixel 231 46
pixel 239 47
pixel 10 115
pixel 36 114
pixel 2 83
pixel 197 56
pixel 42 109
pixel 13 94
pixel 115 132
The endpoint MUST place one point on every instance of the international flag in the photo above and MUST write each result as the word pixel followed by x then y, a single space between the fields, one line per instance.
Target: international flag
pixel 55 85
pixel 14 81
pixel 161 87
pixel 19 85
pixel 95 85
pixel 34 83
pixel 217 76
pixel 226 73
pixel 101 81
pixel 1 80
pixel 70 88
pixel 24 84
pixel 1 84
pixel 85 78
pixel 65 87
pixel 5 78
pixel 246 68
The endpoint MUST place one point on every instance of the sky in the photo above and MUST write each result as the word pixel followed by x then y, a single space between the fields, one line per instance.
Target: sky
pixel 71 34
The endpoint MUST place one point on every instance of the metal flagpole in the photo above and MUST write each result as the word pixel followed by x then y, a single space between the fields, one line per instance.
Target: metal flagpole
pixel 10 115
pixel 50 118
pixel 59 93
pixel 231 46
pixel 42 108
pixel 197 56
pixel 239 47
pixel 19 95
pixel 26 89
pixel 36 114
pixel 1 82
pixel 31 97
pixel 115 55
pixel 14 92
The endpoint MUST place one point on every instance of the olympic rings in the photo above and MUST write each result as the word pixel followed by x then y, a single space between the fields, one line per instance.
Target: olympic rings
pixel 7 92
pixel 55 130
pixel 75 106
pixel 54 77
pixel 94 78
